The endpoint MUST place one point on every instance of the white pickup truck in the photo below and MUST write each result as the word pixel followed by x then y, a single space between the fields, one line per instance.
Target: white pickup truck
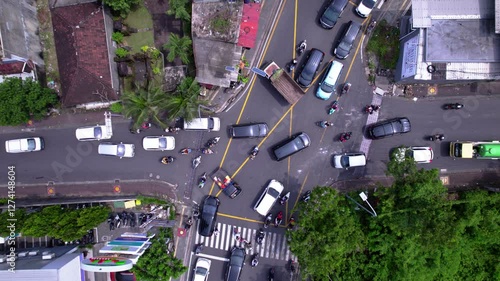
pixel 24 145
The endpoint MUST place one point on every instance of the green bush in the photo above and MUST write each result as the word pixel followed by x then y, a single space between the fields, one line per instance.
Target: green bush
pixel 384 43
pixel 243 79
pixel 121 52
pixel 156 70
pixel 117 37
pixel 121 7
pixel 116 107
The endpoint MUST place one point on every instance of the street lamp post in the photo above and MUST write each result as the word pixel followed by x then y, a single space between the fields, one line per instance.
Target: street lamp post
pixel 365 198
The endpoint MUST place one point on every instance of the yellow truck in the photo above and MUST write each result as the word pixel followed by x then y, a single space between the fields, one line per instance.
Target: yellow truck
pixel 475 149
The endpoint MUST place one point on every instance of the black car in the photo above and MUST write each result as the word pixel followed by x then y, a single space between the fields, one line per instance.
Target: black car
pixel 291 146
pixel 236 262
pixel 257 130
pixel 389 127
pixel 208 216
pixel 332 13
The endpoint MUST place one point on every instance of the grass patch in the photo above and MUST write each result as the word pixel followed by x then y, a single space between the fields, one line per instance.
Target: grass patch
pixel 139 39
pixel 384 43
pixel 47 38
pixel 139 18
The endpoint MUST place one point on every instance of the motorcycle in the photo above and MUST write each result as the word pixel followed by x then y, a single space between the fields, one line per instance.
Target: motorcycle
pixel 453 106
pixel 198 249
pixel 292 65
pixel 325 124
pixel 196 162
pixel 207 151
pixel 271 274
pixel 172 130
pixel 302 47
pixel 306 197
pixel 186 151
pixel 437 137
pixel 291 223
pixel 284 198
pixel 255 260
pixel 279 219
pixel 167 160
pixel 333 107
pixel 268 220
pixel 346 88
pixel 202 181
pixel 188 224
pixel 254 152
pixel 260 236
pixel 345 136
pixel 369 109
pixel 212 142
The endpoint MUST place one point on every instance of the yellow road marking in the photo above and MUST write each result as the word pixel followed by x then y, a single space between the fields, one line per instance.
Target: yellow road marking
pixel 357 50
pixel 300 191
pixel 238 218
pixel 179 226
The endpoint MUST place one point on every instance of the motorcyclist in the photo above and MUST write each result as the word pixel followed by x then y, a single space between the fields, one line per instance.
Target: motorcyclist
pixel 325 124
pixel 278 219
pixel 293 64
pixel 207 151
pixel 254 152
pixel 203 180
pixel 167 160
pixel 291 223
pixel 186 150
pixel 302 46
pixel 255 260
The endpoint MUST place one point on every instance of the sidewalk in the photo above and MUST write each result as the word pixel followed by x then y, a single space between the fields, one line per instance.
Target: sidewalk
pixel 454 181
pixel 67 119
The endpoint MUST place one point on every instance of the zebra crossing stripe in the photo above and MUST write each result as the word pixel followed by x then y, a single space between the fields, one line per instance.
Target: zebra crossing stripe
pixel 274 245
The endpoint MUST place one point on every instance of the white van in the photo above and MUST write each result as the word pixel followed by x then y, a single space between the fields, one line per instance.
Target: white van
pixel 269 197
pixel 348 160
pixel 208 123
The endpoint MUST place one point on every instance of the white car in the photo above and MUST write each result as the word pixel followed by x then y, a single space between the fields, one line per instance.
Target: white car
pixel 158 143
pixel 202 269
pixel 116 149
pixel 97 132
pixel 421 154
pixel 348 160
pixel 365 7
pixel 269 197
pixel 24 145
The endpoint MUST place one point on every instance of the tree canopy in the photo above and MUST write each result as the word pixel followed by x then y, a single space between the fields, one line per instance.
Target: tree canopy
pixel 144 105
pixel 121 7
pixel 63 223
pixel 158 263
pixel 185 102
pixel 23 100
pixel 421 232
pixel 179 47
pixel 180 9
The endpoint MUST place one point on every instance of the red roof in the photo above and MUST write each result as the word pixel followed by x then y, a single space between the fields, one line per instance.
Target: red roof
pixel 9 68
pixel 249 25
pixel 82 53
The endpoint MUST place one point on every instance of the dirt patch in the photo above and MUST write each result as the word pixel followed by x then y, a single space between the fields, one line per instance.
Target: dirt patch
pixel 163 24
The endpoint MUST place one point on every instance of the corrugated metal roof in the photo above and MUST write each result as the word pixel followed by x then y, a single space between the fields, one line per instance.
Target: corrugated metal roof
pixel 472 71
pixel 497 16
pixel 424 11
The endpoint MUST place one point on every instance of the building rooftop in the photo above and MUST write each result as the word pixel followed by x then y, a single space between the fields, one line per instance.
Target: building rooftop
pixel 82 52
pixel 36 262
pixel 424 11
pixel 462 41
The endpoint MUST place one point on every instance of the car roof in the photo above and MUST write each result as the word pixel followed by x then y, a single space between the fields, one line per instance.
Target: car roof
pixel 422 154
pixel 254 129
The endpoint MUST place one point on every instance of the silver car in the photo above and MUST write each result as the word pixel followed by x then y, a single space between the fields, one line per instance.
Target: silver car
pixel 117 149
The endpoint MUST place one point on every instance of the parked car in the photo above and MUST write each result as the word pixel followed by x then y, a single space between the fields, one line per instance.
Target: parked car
pixel 201 269
pixel 365 7
pixel 92 133
pixel 310 68
pixel 421 154
pixel 203 124
pixel 208 216
pixel 291 146
pixel 329 80
pixel 158 143
pixel 24 145
pixel 348 160
pixel 389 128
pixel 256 130
pixel 235 264
pixel 332 13
pixel 116 149
pixel 346 41
pixel 268 197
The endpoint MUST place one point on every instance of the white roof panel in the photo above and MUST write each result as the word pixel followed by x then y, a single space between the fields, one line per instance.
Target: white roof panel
pixel 424 11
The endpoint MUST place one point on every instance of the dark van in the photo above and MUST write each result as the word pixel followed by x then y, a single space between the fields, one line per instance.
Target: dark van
pixel 347 39
pixel 310 68
pixel 291 146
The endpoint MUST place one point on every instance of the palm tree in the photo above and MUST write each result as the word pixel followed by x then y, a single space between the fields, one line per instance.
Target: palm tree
pixel 179 47
pixel 184 102
pixel 144 105
pixel 180 9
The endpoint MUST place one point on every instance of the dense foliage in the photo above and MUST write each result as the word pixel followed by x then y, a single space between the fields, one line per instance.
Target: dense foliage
pixel 158 263
pixel 179 47
pixel 60 223
pixel 23 100
pixel 421 233
pixel 121 7
pixel 180 9
pixel 185 101
pixel 144 105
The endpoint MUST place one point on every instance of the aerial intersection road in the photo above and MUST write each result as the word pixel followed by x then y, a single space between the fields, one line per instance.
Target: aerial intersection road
pixel 67 160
